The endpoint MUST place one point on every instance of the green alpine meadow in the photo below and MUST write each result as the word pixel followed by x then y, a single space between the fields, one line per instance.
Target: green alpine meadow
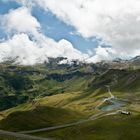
pixel 75 101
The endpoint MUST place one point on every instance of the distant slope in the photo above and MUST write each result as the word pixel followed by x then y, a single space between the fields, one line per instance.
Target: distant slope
pixel 125 80
pixel 21 84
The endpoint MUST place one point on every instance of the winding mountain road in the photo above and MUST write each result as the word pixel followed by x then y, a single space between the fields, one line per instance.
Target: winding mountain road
pixel 111 96
pixel 94 117
pixel 110 93
pixel 22 136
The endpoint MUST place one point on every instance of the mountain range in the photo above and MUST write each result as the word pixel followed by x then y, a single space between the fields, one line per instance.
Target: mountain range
pixel 59 92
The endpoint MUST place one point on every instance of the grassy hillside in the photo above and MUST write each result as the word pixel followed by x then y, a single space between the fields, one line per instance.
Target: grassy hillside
pixel 120 80
pixel 21 84
pixel 5 137
pixel 34 97
pixel 39 117
pixel 115 127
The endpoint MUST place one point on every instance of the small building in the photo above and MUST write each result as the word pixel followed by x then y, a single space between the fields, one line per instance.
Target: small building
pixel 125 112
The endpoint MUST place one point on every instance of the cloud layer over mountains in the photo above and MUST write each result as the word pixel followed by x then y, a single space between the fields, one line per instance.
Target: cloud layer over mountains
pixel 115 21
pixel 28 44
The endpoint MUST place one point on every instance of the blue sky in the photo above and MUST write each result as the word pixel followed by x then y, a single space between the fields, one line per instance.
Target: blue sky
pixel 53 27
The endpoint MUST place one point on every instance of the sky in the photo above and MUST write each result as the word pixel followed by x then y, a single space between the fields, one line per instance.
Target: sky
pixel 89 30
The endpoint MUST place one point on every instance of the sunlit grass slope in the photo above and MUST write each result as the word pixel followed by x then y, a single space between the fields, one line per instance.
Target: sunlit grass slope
pixel 117 127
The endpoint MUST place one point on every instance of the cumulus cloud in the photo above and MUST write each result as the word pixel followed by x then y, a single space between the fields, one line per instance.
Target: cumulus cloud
pixel 21 48
pixel 102 54
pixel 28 44
pixel 116 21
pixel 20 20
pixel 28 52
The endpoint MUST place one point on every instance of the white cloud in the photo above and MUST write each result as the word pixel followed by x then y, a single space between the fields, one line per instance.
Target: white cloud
pixel 68 51
pixel 28 44
pixel 29 52
pixel 20 20
pixel 20 47
pixel 102 54
pixel 116 21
